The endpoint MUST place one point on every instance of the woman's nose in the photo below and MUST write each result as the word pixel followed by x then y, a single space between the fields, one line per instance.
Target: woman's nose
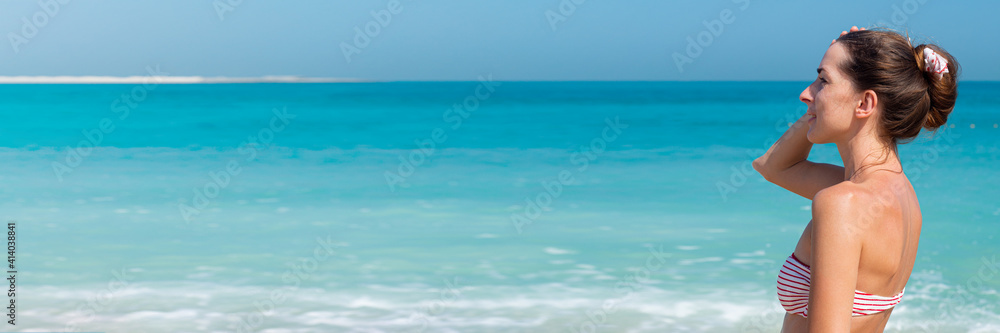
pixel 806 95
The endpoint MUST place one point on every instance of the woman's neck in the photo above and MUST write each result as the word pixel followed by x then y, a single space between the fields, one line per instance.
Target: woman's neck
pixel 865 154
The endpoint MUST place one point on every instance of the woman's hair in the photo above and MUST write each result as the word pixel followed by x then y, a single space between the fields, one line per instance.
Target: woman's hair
pixel 912 98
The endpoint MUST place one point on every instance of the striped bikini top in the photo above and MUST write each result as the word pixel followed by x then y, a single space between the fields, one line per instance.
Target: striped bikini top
pixel 793 292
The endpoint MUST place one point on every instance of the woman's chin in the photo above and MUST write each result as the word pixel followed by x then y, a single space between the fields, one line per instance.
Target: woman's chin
pixel 812 138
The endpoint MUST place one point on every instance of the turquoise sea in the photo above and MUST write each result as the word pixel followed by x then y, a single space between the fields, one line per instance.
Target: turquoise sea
pixel 450 207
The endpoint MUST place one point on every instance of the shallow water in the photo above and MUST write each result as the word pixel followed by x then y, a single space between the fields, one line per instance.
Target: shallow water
pixel 532 213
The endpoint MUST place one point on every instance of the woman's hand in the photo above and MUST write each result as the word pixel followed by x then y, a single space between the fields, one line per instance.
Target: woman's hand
pixel 842 33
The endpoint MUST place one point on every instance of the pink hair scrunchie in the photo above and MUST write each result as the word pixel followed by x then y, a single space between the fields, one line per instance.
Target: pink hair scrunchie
pixel 934 62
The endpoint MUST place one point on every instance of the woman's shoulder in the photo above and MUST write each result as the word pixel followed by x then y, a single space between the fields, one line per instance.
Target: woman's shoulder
pixel 845 192
pixel 854 204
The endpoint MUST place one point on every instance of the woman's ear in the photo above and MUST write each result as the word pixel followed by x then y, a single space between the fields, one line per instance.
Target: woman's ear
pixel 867 104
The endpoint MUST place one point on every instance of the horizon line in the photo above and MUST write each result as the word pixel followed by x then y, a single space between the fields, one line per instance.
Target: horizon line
pixel 95 79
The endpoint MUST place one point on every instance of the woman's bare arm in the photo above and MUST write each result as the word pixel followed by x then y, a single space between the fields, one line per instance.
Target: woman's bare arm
pixel 836 251
pixel 785 164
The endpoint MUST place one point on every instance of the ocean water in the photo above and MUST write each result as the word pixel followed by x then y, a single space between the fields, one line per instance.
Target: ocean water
pixel 450 207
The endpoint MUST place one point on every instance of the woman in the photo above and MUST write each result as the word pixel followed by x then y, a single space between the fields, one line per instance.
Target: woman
pixel 873 90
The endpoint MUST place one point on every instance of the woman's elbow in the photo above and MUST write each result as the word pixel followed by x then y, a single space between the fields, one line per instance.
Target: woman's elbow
pixel 758 165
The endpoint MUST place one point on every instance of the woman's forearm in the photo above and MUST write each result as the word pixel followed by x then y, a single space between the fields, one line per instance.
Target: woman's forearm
pixel 793 147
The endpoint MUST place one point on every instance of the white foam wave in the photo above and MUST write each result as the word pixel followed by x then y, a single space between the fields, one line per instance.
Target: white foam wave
pixel 548 307
pixel 558 251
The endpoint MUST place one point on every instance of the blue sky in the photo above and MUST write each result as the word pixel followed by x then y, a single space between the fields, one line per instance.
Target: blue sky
pixel 460 40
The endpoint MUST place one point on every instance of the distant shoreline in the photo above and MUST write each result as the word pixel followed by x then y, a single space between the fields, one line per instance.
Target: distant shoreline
pixel 165 79
pixel 298 79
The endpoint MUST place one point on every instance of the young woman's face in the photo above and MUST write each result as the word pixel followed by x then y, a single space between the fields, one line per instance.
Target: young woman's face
pixel 832 99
